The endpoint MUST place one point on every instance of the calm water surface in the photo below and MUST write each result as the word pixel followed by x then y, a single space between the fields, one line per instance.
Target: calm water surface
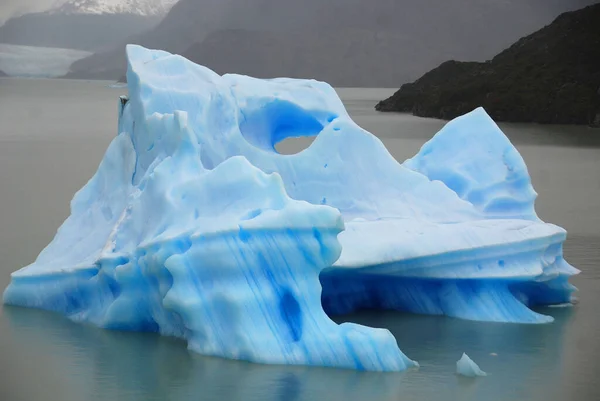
pixel 52 136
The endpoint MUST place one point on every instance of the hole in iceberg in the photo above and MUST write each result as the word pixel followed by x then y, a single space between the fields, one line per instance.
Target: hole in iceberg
pixel 291 146
pixel 266 125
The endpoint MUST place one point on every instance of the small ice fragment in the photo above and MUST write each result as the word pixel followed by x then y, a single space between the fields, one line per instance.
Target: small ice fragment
pixel 466 367
pixel 563 305
pixel 493 354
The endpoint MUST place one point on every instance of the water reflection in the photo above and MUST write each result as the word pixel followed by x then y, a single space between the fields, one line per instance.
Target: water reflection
pixel 525 354
pixel 108 365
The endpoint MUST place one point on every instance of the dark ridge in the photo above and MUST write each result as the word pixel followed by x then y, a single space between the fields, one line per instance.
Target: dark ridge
pixel 73 31
pixel 551 76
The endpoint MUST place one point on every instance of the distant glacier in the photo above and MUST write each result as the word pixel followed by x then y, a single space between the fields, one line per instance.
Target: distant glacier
pixel 37 62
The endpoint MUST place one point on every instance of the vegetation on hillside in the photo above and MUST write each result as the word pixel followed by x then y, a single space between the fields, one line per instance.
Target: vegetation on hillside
pixel 550 76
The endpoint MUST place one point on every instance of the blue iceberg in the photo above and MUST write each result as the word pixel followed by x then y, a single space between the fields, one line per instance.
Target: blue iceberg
pixel 195 227
pixel 466 367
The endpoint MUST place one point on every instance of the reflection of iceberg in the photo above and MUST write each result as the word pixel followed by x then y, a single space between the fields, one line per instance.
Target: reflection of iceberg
pixel 103 364
pixel 194 226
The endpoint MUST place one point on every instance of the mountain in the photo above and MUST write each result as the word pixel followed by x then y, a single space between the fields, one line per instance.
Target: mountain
pixel 347 42
pixel 550 76
pixel 3 74
pixel 347 57
pixel 187 22
pixel 89 25
pixel 138 7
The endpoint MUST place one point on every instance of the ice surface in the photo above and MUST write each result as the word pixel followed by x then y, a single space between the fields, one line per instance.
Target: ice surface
pixel 477 161
pixel 31 61
pixel 194 226
pixel 466 367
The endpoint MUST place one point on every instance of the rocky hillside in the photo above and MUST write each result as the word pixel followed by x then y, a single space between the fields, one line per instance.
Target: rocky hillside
pixel 343 58
pixel 90 32
pixel 90 25
pixel 345 42
pixel 550 76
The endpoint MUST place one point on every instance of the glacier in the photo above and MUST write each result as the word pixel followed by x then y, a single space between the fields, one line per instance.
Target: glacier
pixel 194 226
pixel 37 62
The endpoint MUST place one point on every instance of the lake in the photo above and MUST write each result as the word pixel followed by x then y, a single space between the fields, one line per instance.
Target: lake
pixel 53 134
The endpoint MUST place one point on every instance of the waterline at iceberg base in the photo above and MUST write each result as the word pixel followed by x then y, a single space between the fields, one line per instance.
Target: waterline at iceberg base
pixel 195 227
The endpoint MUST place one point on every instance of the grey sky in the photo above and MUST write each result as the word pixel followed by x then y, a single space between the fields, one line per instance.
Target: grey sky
pixel 10 7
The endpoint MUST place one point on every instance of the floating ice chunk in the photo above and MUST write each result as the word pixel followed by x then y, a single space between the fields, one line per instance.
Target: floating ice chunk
pixel 466 367
pixel 565 305
pixel 236 278
pixel 195 227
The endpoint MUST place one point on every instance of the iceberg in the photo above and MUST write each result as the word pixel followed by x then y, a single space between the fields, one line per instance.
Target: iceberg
pixel 466 367
pixel 195 227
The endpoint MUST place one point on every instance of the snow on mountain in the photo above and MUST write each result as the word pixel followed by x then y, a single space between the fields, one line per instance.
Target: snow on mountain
pixel 139 7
